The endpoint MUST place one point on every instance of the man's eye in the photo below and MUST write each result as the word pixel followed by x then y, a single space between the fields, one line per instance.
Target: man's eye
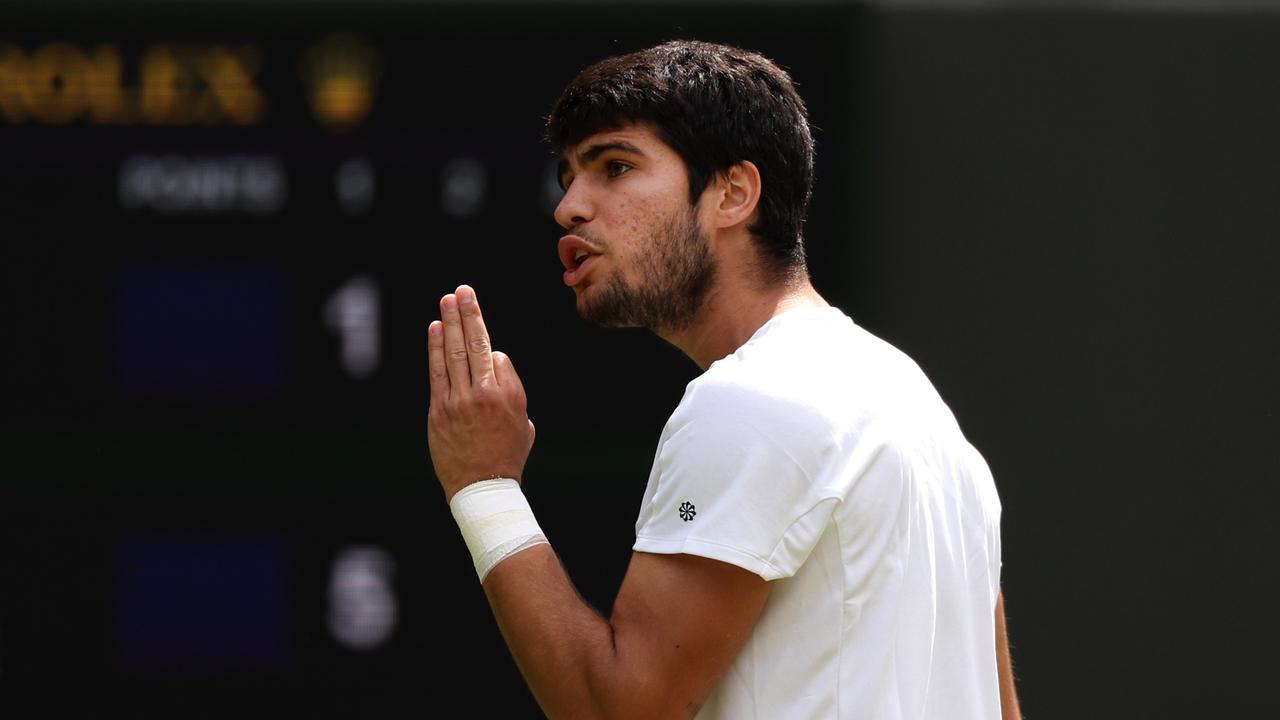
pixel 617 168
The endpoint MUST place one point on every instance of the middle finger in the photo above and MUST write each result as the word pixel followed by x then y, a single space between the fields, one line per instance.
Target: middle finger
pixel 455 346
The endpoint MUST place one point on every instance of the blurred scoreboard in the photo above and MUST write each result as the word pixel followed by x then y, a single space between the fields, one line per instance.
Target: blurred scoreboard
pixel 223 232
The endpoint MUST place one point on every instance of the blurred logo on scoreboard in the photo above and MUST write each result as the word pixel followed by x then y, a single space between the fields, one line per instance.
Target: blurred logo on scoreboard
pixel 164 84
pixel 342 73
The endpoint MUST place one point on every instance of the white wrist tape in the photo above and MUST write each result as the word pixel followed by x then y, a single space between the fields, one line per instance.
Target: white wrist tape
pixel 496 522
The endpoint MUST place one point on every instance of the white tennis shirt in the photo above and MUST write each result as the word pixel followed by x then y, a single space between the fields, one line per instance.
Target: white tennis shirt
pixel 820 457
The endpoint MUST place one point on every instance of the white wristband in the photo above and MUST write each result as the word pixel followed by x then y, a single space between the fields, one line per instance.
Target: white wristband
pixel 496 522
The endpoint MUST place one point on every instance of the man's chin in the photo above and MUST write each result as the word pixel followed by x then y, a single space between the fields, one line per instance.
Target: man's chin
pixel 601 311
pixel 593 315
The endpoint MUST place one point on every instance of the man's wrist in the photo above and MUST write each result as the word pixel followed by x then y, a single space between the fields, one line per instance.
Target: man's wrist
pixel 496 522
pixel 451 488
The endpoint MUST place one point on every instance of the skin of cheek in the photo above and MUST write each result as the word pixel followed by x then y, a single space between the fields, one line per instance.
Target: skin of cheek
pixel 643 210
pixel 644 217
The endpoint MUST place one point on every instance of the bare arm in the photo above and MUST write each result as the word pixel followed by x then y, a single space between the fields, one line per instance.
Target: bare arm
pixel 678 621
pixel 1009 709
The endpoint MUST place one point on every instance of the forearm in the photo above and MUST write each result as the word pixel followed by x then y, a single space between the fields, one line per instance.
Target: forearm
pixel 563 647
pixel 1009 708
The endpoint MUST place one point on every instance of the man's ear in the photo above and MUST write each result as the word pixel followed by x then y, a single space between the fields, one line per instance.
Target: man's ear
pixel 739 194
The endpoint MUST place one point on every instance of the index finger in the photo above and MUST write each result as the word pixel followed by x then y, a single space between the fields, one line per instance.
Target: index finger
pixel 475 336
pixel 436 371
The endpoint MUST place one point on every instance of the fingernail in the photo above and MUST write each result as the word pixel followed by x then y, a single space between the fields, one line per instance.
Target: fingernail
pixel 449 303
pixel 465 295
pixel 434 328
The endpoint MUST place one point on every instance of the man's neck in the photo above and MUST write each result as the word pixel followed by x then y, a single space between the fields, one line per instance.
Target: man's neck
pixel 734 310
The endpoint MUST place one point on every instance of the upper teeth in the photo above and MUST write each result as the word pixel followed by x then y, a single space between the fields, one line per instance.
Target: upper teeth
pixel 577 257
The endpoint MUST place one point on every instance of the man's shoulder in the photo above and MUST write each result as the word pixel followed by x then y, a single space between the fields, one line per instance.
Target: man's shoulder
pixel 815 368
pixel 799 356
pixel 762 385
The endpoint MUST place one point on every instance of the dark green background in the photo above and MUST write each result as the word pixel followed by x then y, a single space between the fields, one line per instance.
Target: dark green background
pixel 1067 217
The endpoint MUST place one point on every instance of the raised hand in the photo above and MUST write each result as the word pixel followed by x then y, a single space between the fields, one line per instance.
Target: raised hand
pixel 478 426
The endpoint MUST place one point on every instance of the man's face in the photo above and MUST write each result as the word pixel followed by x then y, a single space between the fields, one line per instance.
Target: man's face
pixel 636 253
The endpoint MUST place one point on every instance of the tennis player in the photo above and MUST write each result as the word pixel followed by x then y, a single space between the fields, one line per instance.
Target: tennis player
pixel 817 538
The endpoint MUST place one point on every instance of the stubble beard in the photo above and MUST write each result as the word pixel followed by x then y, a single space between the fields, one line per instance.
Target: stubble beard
pixel 675 276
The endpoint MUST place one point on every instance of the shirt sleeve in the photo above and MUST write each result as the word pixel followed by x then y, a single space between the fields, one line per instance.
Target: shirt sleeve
pixel 730 483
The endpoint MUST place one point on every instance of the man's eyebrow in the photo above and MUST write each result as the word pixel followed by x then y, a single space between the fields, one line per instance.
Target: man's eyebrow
pixel 594 151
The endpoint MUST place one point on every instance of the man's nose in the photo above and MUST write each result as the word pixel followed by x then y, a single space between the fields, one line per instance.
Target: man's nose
pixel 575 207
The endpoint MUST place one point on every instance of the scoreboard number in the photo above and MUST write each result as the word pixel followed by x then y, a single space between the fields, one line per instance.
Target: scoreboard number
pixel 352 314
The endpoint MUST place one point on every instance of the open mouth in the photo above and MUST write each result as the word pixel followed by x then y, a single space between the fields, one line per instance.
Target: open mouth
pixel 577 256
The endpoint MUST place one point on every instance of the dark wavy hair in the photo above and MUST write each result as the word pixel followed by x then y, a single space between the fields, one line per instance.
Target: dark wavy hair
pixel 715 105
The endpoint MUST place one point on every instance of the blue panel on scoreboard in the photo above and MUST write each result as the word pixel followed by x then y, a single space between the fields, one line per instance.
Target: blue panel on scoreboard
pixel 201 330
pixel 202 601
